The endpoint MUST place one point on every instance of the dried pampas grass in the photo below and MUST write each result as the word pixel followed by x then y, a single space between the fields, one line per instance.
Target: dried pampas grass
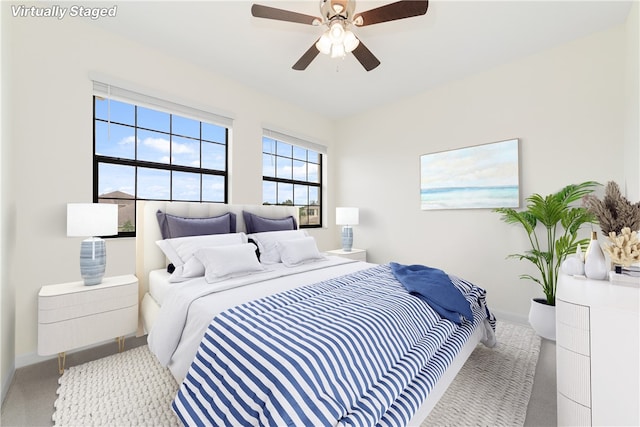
pixel 614 212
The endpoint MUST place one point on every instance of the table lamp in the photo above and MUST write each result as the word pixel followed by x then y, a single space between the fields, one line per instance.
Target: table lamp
pixel 347 217
pixel 92 220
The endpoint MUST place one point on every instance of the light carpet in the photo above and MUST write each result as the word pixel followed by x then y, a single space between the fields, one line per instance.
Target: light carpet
pixel 494 385
pixel 132 389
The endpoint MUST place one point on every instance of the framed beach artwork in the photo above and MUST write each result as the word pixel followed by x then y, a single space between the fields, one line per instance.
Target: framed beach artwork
pixel 482 176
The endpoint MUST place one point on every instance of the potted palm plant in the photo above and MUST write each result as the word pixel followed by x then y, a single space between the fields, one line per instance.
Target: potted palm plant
pixel 551 223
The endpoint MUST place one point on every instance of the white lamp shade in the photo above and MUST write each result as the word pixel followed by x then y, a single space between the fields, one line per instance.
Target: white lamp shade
pixel 92 219
pixel 347 216
pixel 324 44
pixel 350 41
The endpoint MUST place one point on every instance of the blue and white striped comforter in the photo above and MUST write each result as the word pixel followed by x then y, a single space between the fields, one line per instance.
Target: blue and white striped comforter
pixel 355 350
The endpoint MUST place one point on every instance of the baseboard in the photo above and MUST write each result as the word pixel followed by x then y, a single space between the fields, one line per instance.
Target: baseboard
pixel 510 317
pixel 7 382
pixel 33 358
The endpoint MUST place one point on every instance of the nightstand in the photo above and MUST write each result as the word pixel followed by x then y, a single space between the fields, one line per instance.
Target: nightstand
pixel 72 315
pixel 357 254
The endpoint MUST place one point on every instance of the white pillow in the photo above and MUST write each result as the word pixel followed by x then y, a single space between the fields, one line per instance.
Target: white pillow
pixel 190 269
pixel 180 252
pixel 298 251
pixel 267 243
pixel 180 249
pixel 225 262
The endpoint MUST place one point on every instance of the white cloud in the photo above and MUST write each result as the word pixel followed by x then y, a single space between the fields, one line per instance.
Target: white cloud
pixel 182 148
pixel 127 140
pixel 158 144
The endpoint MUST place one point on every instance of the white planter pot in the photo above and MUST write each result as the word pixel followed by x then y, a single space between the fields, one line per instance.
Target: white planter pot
pixel 542 318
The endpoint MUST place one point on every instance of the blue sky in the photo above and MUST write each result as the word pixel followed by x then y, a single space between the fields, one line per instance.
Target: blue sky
pixel 281 160
pixel 155 145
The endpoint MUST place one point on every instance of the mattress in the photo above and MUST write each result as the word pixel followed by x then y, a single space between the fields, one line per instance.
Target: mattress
pixel 180 326
pixel 159 285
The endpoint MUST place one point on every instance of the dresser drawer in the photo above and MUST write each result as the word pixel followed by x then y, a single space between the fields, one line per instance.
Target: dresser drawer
pixel 573 339
pixel 572 327
pixel 572 414
pixel 574 376
pixel 574 315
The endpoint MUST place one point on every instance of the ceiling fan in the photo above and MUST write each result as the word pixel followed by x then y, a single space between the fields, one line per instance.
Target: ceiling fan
pixel 338 16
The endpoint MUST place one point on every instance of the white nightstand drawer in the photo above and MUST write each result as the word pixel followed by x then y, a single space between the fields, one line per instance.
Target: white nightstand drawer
pixel 79 332
pixel 72 300
pixel 87 308
pixel 357 254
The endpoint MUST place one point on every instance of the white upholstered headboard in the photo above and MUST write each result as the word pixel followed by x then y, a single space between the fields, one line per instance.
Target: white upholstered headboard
pixel 149 256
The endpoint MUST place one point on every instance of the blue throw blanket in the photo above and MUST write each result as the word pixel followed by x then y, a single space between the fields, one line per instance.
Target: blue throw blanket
pixel 435 288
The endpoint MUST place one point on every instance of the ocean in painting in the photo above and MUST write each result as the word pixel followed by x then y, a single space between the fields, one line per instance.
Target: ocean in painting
pixel 470 197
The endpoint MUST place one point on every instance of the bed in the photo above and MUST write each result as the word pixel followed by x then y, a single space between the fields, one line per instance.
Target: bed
pixel 189 326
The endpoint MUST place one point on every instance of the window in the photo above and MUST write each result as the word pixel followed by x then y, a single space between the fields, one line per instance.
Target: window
pixel 142 153
pixel 292 175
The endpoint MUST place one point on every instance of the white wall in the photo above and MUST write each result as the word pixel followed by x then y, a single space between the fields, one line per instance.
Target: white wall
pixel 632 110
pixel 7 311
pixel 567 107
pixel 52 144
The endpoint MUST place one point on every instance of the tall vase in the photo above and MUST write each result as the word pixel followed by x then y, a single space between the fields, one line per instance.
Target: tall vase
pixel 595 265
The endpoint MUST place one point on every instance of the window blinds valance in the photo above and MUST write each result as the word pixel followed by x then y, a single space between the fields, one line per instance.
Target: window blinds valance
pixel 111 91
pixel 294 140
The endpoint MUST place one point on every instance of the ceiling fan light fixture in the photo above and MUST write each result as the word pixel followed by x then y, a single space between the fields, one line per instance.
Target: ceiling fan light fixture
pixel 324 44
pixel 337 41
pixel 337 32
pixel 337 50
pixel 339 16
pixel 350 41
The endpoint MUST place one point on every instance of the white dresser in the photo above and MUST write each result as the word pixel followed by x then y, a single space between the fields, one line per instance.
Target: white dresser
pixel 72 315
pixel 597 353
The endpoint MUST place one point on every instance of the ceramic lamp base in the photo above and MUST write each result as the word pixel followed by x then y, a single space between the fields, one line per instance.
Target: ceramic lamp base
pixel 347 238
pixel 93 260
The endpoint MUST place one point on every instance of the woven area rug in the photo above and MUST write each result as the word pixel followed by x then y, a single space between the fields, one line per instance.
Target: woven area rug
pixel 126 389
pixel 132 389
pixel 494 385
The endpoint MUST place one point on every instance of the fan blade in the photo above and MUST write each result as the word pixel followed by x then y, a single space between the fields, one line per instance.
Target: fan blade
pixel 366 58
pixel 306 59
pixel 391 12
pixel 267 12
